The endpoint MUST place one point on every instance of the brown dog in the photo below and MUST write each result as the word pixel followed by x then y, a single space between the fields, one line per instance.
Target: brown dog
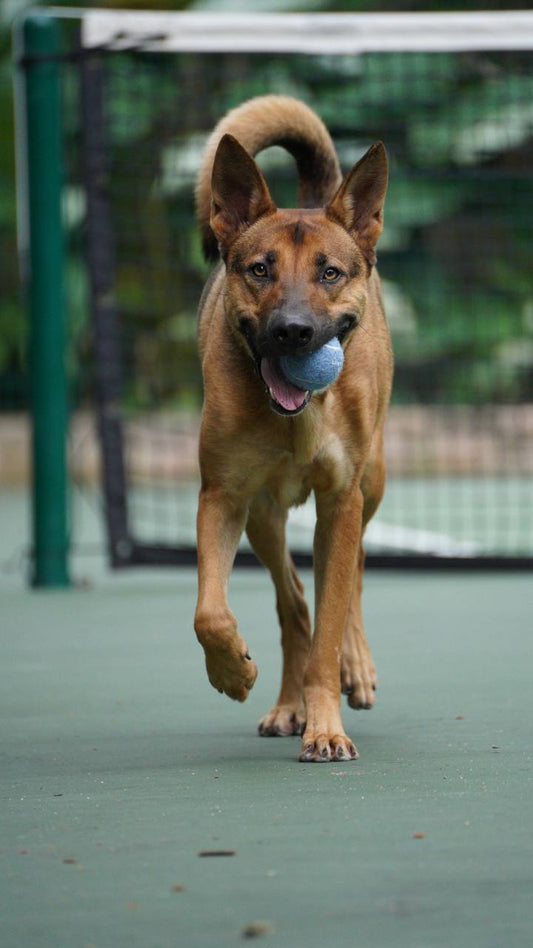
pixel 289 281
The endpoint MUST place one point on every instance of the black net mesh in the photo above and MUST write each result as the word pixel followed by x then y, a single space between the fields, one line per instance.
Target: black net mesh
pixel 454 260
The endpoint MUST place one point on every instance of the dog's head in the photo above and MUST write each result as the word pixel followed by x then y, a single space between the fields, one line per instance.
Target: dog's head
pixel 295 278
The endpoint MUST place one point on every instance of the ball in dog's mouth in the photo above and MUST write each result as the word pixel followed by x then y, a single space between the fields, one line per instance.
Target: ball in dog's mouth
pixel 286 398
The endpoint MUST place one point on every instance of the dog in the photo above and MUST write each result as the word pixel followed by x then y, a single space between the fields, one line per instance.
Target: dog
pixel 287 282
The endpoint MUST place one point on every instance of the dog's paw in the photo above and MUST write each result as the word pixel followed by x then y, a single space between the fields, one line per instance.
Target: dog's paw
pixel 358 675
pixel 230 668
pixel 282 721
pixel 324 748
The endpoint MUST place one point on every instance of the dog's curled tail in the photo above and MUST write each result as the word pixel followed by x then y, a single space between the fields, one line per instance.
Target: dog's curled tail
pixel 262 122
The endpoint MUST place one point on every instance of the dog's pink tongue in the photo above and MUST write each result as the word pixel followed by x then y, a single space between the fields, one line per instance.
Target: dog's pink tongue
pixel 286 394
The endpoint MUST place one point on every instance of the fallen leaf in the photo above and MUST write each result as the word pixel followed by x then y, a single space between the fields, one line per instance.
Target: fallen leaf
pixel 257 929
pixel 217 852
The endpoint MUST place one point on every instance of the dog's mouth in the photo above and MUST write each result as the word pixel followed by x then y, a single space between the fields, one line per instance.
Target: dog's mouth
pixel 285 397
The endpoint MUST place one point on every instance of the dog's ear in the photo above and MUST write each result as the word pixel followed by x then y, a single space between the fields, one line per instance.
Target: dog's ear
pixel 239 194
pixel 358 204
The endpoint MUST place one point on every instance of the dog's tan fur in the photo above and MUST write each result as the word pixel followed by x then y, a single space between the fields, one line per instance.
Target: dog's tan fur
pixel 256 463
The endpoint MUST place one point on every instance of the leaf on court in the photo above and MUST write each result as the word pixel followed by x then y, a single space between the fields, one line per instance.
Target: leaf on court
pixel 217 852
pixel 257 929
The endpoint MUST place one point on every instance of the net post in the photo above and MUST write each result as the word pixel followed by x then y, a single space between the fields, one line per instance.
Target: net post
pixel 46 303
pixel 105 318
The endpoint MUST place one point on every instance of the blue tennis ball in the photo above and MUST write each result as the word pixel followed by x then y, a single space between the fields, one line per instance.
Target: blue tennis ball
pixel 311 371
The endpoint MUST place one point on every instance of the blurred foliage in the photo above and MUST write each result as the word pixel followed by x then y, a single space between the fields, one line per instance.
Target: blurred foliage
pixel 12 318
pixel 455 255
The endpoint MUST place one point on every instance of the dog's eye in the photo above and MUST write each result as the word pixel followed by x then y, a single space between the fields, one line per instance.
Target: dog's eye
pixel 331 275
pixel 259 270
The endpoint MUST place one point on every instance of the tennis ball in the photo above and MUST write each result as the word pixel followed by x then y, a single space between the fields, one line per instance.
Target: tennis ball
pixel 311 371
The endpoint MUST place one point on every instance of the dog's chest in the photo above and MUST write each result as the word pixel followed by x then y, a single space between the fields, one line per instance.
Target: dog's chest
pixel 330 469
pixel 290 484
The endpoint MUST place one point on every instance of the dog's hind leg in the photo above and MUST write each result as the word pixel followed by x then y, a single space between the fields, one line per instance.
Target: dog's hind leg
pixel 266 531
pixel 358 672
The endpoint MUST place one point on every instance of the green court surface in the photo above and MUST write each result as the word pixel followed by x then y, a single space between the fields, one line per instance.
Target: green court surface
pixel 120 765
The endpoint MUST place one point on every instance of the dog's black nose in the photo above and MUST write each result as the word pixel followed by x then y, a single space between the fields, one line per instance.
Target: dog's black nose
pixel 291 332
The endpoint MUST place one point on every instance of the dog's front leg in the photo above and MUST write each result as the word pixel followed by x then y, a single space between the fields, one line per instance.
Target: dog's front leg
pixel 337 539
pixel 221 519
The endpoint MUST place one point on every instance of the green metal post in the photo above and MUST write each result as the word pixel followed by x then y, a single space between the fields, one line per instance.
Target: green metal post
pixel 46 302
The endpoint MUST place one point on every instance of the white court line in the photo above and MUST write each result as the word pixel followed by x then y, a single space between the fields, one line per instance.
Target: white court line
pixel 392 536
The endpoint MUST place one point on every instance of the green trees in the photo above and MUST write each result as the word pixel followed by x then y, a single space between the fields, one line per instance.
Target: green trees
pixel 455 256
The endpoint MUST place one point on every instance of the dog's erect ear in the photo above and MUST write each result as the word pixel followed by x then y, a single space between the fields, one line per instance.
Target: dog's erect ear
pixel 358 204
pixel 239 194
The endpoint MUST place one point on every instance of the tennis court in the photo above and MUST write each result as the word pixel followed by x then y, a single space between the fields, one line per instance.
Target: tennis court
pixel 121 765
